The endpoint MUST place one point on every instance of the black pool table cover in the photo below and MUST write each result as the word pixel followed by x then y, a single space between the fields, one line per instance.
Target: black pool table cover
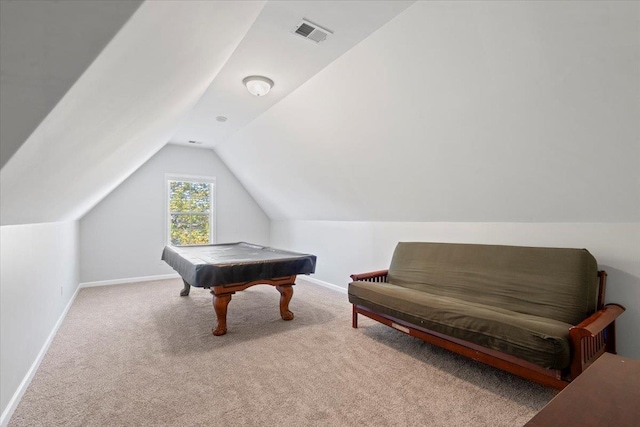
pixel 205 266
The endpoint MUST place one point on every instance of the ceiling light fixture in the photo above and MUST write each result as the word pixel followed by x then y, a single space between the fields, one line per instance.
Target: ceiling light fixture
pixel 258 85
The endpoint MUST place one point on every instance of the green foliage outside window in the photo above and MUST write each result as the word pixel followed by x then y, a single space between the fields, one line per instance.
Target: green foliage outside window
pixel 190 210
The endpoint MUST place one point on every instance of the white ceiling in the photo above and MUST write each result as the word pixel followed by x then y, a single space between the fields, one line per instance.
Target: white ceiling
pixel 138 92
pixel 271 49
pixel 440 111
pixel 461 111
pixel 123 109
pixel 44 48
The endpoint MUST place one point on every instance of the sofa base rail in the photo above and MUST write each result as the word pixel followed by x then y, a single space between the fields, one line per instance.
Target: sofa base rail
pixel 548 377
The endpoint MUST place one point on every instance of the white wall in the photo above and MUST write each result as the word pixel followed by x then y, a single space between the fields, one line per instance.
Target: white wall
pixel 123 236
pixel 344 248
pixel 38 278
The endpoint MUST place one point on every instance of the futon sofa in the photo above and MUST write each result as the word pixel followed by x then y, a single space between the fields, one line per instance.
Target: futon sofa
pixel 535 312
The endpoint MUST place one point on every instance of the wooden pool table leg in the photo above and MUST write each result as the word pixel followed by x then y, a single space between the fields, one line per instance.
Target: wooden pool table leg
pixel 286 292
pixel 220 303
pixel 185 291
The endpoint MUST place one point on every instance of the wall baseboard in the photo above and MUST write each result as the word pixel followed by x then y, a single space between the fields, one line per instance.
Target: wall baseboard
pixel 17 396
pixel 322 283
pixel 129 280
pixel 177 276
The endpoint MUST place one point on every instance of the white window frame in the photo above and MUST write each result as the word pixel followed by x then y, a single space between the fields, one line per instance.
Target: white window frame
pixel 212 203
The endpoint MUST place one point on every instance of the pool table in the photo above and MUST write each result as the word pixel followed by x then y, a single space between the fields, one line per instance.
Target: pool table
pixel 232 267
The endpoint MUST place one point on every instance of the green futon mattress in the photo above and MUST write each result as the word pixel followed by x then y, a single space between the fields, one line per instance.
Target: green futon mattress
pixel 542 341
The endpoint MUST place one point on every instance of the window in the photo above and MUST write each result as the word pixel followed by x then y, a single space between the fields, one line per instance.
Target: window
pixel 191 210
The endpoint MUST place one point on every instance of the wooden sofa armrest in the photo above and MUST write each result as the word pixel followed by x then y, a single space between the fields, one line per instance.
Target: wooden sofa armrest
pixel 598 320
pixel 374 276
pixel 593 336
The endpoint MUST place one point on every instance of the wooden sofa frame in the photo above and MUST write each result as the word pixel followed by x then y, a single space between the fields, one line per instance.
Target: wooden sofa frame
pixel 589 339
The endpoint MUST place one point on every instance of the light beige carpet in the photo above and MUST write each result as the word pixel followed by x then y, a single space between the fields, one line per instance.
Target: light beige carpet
pixel 139 354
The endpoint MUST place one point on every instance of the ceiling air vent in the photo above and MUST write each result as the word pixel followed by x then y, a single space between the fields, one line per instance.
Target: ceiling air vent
pixel 311 31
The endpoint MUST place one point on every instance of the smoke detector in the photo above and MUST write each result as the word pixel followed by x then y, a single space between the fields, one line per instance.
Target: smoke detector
pixel 311 31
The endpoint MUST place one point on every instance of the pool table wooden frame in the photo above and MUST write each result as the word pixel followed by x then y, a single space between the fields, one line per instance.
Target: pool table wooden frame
pixel 222 296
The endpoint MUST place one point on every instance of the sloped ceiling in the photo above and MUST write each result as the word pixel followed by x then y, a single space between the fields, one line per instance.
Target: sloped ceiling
pixel 123 109
pixel 452 111
pixel 45 47
pixel 461 111
pixel 270 48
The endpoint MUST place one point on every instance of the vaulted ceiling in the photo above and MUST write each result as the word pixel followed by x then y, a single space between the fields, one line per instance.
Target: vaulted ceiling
pixel 433 111
pixel 44 48
pixel 123 109
pixel 461 111
pixel 270 48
